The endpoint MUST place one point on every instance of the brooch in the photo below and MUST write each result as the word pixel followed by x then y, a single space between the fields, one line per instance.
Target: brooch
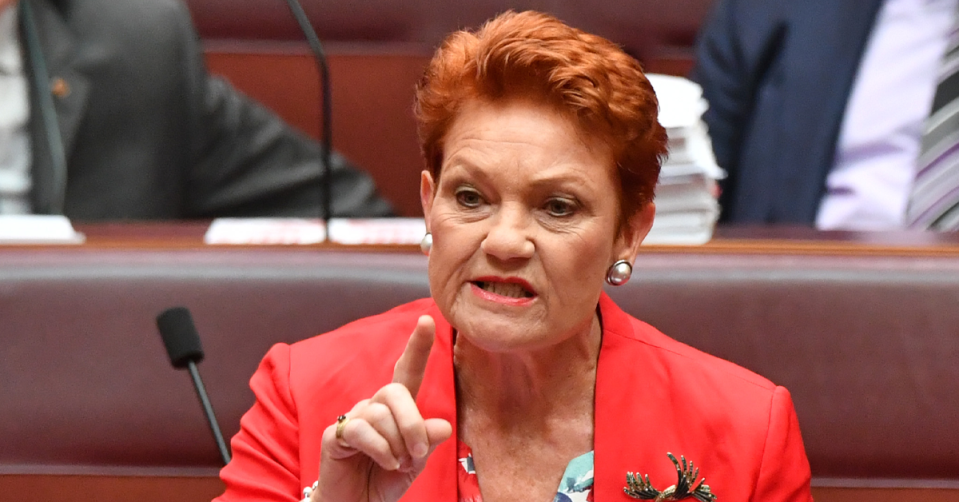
pixel 640 488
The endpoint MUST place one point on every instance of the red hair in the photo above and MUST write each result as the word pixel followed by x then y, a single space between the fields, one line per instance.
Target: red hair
pixel 584 76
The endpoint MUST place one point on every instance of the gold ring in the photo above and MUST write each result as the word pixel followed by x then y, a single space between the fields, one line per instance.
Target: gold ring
pixel 341 422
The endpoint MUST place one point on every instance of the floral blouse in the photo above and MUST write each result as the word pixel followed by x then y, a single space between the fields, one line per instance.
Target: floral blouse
pixel 576 486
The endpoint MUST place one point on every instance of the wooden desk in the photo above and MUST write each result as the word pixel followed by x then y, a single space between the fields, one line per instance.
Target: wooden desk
pixel 81 317
pixel 109 488
pixel 727 240
pixel 40 488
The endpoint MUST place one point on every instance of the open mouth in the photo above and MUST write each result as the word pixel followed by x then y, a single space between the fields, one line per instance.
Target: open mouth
pixel 508 289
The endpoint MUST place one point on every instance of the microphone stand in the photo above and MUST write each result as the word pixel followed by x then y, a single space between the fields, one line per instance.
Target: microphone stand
pixel 208 410
pixel 182 344
pixel 326 117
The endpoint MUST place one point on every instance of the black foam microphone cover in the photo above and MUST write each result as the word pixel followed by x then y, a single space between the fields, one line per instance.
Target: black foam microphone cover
pixel 179 336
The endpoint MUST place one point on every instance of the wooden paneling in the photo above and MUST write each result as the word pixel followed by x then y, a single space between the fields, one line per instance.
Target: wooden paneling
pixel 33 488
pixel 372 105
pixel 373 87
pixel 824 494
pixel 46 488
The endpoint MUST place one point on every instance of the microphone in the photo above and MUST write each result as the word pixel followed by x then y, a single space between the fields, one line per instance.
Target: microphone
pixel 183 346
pixel 326 117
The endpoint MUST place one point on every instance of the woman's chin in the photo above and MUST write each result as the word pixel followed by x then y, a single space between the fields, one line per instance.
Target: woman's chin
pixel 495 327
pixel 499 335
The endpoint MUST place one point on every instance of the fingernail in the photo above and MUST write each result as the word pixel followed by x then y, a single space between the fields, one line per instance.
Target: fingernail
pixel 420 450
pixel 396 465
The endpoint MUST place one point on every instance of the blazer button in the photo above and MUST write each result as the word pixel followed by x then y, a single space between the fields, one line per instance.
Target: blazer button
pixel 60 88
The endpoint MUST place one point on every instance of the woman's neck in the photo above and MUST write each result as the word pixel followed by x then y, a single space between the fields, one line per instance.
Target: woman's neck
pixel 530 387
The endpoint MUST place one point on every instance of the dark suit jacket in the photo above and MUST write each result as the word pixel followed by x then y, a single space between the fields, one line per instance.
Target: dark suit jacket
pixel 148 134
pixel 653 395
pixel 777 75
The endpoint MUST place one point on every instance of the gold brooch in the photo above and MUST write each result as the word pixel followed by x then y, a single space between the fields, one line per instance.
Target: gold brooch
pixel 640 488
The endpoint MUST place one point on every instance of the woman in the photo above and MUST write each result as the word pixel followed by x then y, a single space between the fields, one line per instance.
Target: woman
pixel 520 379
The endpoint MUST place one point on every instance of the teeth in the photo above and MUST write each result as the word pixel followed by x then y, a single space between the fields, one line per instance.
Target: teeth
pixel 511 290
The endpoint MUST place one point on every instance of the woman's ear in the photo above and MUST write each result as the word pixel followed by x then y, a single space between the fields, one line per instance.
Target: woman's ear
pixel 636 229
pixel 427 192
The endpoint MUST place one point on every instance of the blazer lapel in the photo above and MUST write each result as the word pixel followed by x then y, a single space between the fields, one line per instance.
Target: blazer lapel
pixel 70 89
pixel 638 448
pixel 640 417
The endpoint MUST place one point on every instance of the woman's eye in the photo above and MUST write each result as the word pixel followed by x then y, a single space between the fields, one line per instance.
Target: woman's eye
pixel 468 198
pixel 560 207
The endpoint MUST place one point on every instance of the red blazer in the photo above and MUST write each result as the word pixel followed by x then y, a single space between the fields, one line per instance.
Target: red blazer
pixel 653 395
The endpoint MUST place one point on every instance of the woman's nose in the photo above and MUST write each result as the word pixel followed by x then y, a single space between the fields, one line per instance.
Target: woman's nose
pixel 508 237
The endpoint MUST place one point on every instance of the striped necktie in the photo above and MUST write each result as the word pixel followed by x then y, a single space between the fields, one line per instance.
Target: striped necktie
pixel 934 200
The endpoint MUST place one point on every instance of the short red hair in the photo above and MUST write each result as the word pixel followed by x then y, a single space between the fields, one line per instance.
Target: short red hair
pixel 583 75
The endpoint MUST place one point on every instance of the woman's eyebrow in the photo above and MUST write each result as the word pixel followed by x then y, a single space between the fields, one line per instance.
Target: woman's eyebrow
pixel 469 165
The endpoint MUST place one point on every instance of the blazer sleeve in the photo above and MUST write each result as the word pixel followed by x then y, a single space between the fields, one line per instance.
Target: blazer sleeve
pixel 722 72
pixel 249 162
pixel 736 49
pixel 265 464
pixel 784 474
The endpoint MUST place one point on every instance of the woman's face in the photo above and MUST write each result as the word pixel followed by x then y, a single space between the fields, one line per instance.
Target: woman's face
pixel 524 220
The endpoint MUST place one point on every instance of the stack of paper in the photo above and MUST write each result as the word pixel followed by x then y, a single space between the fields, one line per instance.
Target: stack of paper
pixel 686 205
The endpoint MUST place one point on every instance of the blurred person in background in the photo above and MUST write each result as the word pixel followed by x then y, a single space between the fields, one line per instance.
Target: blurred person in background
pixel 120 88
pixel 519 378
pixel 828 113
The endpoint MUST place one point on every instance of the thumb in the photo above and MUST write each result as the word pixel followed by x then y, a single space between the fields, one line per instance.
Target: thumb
pixel 411 366
pixel 393 484
pixel 437 431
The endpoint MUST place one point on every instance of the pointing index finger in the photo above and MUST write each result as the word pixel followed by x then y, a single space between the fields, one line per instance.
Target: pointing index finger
pixel 411 365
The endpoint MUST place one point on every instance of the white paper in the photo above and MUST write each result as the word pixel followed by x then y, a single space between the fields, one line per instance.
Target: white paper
pixel 265 231
pixel 685 237
pixel 293 231
pixel 681 102
pixel 377 230
pixel 38 229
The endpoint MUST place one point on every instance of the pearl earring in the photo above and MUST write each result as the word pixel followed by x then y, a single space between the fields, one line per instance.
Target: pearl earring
pixel 426 244
pixel 619 273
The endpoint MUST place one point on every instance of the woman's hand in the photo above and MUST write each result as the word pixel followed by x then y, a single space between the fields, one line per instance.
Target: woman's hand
pixel 385 442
